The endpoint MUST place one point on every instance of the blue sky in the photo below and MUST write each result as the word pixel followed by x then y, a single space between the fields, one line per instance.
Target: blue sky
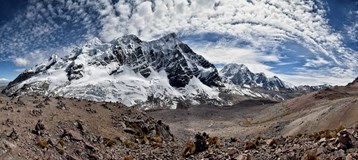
pixel 300 41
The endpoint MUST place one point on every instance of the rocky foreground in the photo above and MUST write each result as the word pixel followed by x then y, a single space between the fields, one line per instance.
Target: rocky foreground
pixel 36 127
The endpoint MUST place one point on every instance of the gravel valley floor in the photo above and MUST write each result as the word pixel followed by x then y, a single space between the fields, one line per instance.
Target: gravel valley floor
pixel 36 127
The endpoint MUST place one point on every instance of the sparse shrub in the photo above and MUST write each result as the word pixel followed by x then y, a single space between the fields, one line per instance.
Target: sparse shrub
pixel 327 134
pixel 157 139
pixel 42 144
pixel 247 121
pixel 145 140
pixel 189 149
pixel 250 145
pixel 340 128
pixel 233 139
pixel 157 145
pixel 109 142
pixel 128 157
pixel 214 141
pixel 128 144
pixel 311 156
pixel 202 143
pixel 61 142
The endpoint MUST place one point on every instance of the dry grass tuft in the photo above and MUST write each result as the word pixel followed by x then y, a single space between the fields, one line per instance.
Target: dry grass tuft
pixel 128 158
pixel 214 141
pixel 109 142
pixel 311 156
pixel 42 144
pixel 128 144
pixel 250 145
pixel 340 128
pixel 189 149
pixel 61 142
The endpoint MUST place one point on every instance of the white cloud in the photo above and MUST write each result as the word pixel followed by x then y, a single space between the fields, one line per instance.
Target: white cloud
pixel 352 31
pixel 314 79
pixel 44 27
pixel 19 61
pixel 4 79
pixel 262 23
pixel 319 61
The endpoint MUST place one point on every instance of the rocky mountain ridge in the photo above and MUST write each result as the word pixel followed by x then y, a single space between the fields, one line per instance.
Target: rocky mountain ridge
pixel 240 75
pixel 272 87
pixel 160 73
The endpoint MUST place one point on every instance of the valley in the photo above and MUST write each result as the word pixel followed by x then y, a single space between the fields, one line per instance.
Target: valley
pixel 178 80
pixel 123 100
pixel 81 129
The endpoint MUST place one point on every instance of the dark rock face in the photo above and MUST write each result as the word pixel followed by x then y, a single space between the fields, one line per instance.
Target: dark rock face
pixel 22 77
pixel 74 71
pixel 354 83
pixel 167 53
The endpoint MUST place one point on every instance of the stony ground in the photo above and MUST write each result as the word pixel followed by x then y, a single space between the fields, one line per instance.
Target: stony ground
pixel 36 127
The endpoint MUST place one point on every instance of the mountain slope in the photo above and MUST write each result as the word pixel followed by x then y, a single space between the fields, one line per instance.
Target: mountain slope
pixel 127 70
pixel 328 108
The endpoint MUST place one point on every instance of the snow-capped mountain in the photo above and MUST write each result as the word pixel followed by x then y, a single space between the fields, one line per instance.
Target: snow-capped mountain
pixel 128 70
pixel 240 75
pixel 272 87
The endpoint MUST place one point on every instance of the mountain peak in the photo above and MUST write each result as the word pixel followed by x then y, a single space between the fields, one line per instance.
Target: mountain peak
pixel 171 37
pixel 94 41
pixel 233 68
pixel 128 70
pixel 240 75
